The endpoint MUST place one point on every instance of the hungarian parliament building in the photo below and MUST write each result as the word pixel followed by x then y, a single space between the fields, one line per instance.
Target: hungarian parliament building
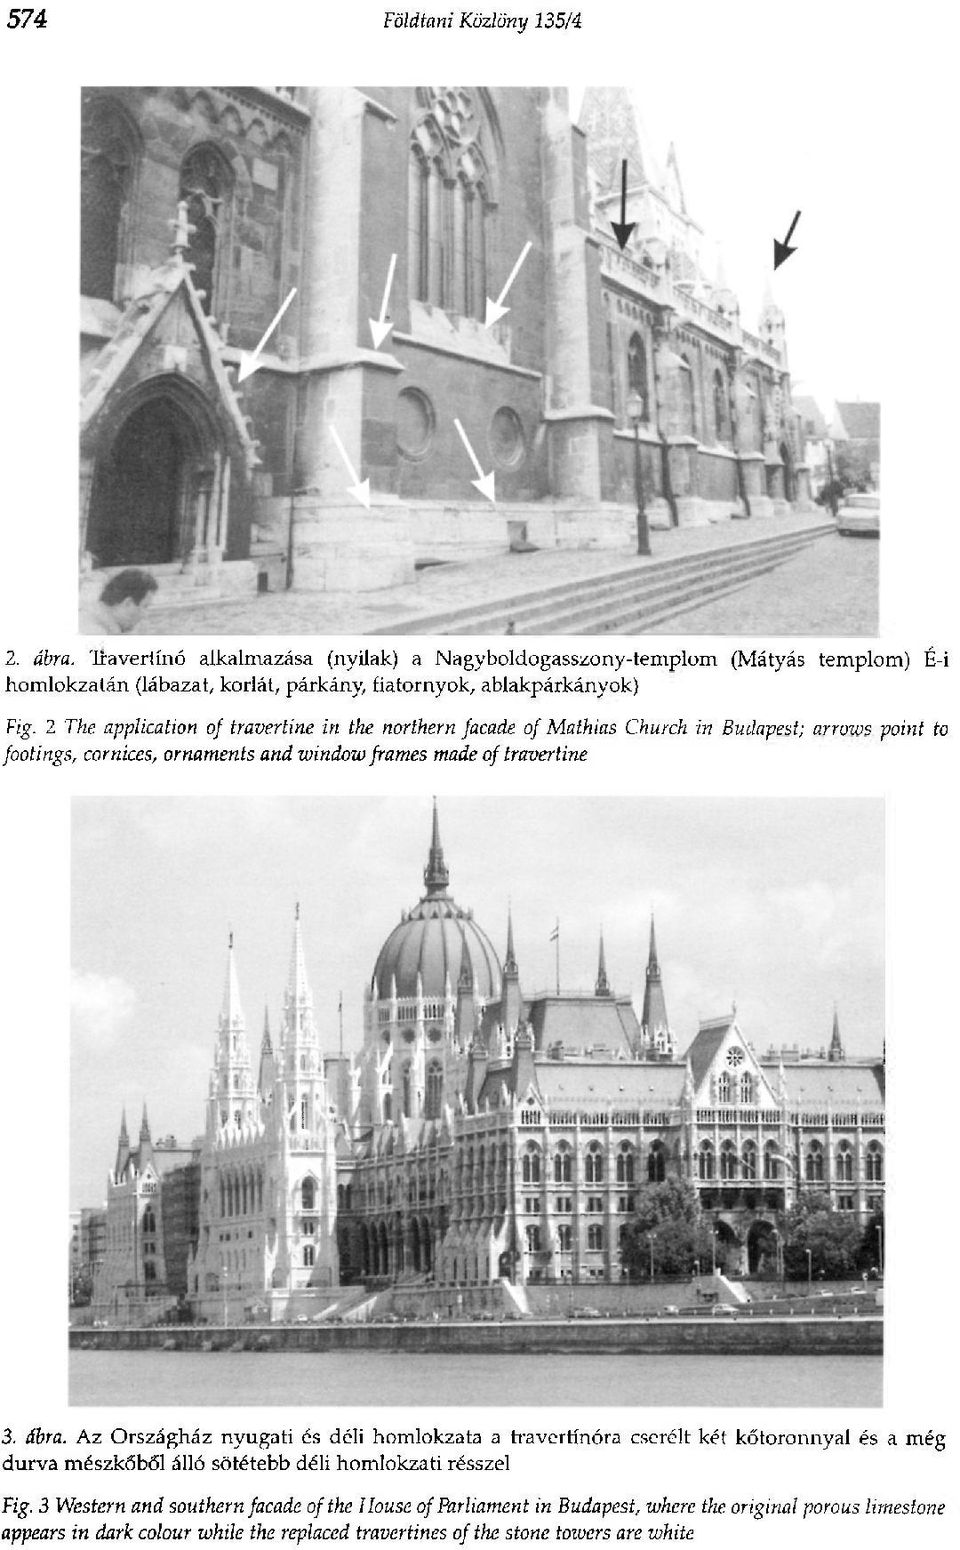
pixel 481 1137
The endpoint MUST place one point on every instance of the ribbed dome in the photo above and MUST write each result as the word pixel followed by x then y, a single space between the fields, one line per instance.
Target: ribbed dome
pixel 435 940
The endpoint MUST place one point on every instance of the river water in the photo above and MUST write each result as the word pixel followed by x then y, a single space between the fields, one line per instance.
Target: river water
pixel 402 1378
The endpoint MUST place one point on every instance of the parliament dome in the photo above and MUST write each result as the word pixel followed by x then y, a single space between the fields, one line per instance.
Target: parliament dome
pixel 434 941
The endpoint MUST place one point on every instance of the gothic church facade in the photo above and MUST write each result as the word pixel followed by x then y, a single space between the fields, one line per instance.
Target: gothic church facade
pixel 211 215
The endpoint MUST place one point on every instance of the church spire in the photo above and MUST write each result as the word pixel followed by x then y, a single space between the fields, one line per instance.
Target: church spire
pixel 436 876
pixel 144 1128
pixel 602 987
pixel 298 997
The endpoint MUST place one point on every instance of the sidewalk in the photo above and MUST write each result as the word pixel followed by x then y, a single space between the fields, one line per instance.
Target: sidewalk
pixel 458 584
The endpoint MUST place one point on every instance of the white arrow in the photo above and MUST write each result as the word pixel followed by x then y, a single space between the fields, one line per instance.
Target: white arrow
pixel 378 328
pixel 495 311
pixel 360 492
pixel 485 481
pixel 250 360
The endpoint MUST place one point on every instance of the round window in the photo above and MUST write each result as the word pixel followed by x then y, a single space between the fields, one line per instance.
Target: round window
pixel 506 438
pixel 415 423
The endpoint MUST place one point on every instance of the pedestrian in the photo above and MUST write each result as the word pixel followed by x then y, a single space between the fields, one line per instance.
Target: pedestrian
pixel 121 605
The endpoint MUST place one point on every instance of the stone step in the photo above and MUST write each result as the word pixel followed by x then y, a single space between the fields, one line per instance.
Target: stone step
pixel 634 596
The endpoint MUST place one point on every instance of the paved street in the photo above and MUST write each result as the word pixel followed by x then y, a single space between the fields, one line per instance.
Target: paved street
pixel 836 579
pixel 830 588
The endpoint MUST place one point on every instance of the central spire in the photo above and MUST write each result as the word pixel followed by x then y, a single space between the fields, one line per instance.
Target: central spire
pixel 436 876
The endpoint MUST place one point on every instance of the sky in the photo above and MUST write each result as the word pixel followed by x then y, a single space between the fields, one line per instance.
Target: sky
pixel 760 136
pixel 776 905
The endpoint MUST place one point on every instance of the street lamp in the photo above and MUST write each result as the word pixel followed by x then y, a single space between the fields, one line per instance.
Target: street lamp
pixel 635 415
pixel 223 1278
pixel 809 1254
pixel 880 1249
pixel 652 1236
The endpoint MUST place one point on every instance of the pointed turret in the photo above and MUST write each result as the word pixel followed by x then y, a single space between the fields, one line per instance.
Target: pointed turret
pixel 231 1014
pixel 145 1143
pixel 268 1070
pixel 232 1098
pixel 602 987
pixel 123 1147
pixel 836 1051
pixel 436 876
pixel 657 1040
pixel 512 1004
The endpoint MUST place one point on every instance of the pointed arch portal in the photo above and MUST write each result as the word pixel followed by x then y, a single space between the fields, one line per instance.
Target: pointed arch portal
pixel 161 480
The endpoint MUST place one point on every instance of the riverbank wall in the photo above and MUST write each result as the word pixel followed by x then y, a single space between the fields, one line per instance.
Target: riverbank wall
pixel 748 1336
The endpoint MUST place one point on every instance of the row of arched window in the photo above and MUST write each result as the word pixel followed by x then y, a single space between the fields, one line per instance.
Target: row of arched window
pixel 626 1164
pixel 729 1165
pixel 719 424
pixel 450 201
pixel 564 1237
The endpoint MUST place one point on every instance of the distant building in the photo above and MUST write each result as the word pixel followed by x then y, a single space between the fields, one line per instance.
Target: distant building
pixel 139 1275
pixel 205 211
pixel 483 1133
pixel 855 433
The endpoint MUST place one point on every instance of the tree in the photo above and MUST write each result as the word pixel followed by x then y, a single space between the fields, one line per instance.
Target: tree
pixel 870 1256
pixel 666 1233
pixel 832 1238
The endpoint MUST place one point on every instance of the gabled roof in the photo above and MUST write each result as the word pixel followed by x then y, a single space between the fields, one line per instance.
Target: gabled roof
pixel 827 1084
pixel 168 287
pixel 706 1045
pixel 861 421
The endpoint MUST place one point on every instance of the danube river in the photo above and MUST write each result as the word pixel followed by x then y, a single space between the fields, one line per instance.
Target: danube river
pixel 404 1378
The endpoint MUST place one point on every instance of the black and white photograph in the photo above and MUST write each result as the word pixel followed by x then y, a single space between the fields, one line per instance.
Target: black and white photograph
pixel 469 360
pixel 540 1101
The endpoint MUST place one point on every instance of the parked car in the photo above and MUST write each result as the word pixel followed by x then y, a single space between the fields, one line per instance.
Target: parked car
pixel 723 1310
pixel 859 514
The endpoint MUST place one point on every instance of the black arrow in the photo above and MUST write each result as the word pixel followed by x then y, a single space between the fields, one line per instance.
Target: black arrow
pixel 782 250
pixel 623 227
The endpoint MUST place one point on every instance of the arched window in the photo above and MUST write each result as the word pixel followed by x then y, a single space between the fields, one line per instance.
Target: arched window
pixel 206 184
pixel 593 1170
pixel 108 160
pixel 562 1165
pixel 637 375
pixel 308 1255
pixel 308 1195
pixel 656 1163
pixel 748 1160
pixel 149 1223
pixel 407 1090
pixel 594 1236
pixel 449 201
pixel 530 1165
pixel 533 1238
pixel 747 1087
pixel 565 1237
pixel 625 1165
pixel 706 1162
pixel 434 1089
pixel 688 389
pixel 771 1161
pixel 874 1161
pixel 728 1160
pixel 723 1087
pixel 720 416
pixel 844 1163
pixel 813 1165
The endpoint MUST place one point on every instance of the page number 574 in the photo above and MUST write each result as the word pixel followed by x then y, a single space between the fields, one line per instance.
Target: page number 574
pixel 25 16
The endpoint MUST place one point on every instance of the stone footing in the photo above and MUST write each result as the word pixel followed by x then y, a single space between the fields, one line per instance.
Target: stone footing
pixel 348 549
